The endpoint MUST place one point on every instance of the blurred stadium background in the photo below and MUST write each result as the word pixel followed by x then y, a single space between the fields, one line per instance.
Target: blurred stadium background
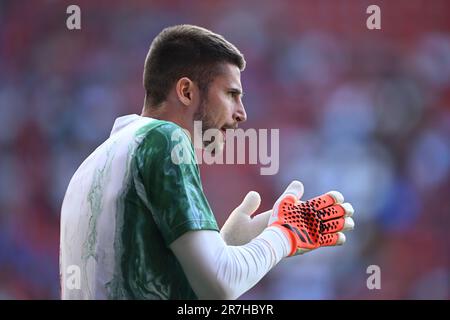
pixel 363 112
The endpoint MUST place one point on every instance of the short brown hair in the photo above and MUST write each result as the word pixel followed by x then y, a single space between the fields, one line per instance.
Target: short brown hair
pixel 185 51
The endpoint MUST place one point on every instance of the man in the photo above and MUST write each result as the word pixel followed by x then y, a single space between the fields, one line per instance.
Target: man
pixel 135 221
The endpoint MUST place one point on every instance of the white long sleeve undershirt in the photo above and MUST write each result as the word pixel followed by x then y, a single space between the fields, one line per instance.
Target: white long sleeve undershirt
pixel 218 271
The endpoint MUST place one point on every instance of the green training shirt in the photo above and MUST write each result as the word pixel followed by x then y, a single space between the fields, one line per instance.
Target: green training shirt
pixel 126 203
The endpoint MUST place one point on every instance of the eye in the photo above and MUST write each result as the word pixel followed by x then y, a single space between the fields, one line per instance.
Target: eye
pixel 234 94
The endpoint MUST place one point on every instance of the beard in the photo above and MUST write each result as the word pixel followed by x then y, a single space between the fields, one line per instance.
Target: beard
pixel 202 114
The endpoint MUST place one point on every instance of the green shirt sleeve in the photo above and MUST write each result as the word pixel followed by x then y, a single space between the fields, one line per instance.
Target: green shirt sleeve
pixel 172 185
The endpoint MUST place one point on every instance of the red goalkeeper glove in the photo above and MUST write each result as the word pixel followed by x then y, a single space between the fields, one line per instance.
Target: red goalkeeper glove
pixel 314 223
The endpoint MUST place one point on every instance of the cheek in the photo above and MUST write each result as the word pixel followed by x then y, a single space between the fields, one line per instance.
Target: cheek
pixel 219 111
pixel 226 109
pixel 210 115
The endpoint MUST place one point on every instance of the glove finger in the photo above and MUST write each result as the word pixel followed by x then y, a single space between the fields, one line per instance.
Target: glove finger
pixel 290 196
pixel 250 204
pixel 295 188
pixel 338 197
pixel 326 200
pixel 281 208
pixel 335 225
pixel 336 211
pixel 334 239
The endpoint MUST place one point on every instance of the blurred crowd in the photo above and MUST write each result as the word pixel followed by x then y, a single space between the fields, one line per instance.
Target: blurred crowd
pixel 365 112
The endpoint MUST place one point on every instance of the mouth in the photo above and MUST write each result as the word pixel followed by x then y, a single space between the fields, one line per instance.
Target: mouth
pixel 225 128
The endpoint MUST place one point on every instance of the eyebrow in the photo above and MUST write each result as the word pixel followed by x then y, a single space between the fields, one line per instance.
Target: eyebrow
pixel 235 90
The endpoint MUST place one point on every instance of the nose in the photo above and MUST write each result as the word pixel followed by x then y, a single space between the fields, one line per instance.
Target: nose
pixel 240 115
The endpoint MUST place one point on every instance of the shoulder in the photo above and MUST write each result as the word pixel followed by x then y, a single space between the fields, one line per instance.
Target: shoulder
pixel 162 130
pixel 162 137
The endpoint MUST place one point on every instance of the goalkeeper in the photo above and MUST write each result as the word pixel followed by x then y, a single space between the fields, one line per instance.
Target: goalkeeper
pixel 136 223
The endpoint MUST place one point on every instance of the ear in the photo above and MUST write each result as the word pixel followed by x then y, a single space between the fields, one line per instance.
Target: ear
pixel 186 91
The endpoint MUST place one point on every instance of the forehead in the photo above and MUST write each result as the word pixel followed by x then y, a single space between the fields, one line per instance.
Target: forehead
pixel 229 76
